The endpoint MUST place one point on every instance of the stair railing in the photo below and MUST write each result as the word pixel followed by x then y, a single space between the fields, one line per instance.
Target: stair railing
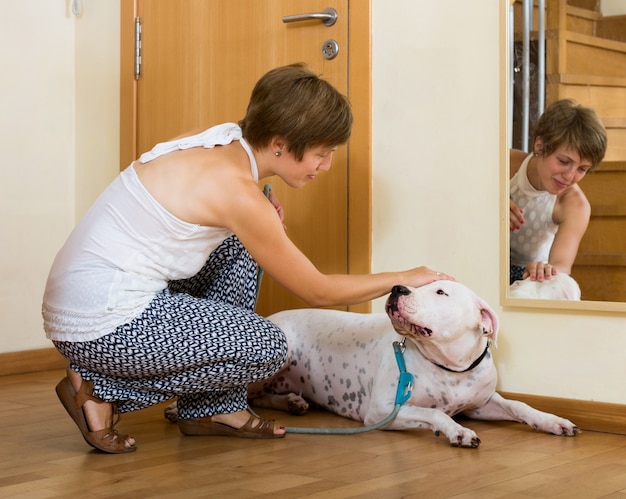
pixel 527 27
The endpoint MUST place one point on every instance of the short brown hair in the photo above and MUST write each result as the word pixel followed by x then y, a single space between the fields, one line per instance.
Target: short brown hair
pixel 566 123
pixel 293 103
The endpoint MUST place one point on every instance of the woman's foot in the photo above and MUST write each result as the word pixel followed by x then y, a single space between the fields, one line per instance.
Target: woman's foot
pixel 99 415
pixel 241 424
pixel 94 417
pixel 240 418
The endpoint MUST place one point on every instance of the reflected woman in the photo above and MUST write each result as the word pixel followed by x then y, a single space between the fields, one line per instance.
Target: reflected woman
pixel 549 212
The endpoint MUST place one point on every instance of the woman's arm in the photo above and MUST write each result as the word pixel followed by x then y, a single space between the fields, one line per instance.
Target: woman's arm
pixel 571 213
pixel 259 228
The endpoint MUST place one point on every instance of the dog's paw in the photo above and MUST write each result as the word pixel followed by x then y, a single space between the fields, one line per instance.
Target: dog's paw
pixel 464 437
pixel 288 402
pixel 296 404
pixel 558 426
pixel 171 412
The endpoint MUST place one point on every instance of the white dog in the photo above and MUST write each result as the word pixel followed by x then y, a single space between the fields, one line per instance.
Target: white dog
pixel 558 287
pixel 345 362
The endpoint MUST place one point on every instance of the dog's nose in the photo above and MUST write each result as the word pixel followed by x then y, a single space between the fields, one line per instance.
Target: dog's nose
pixel 400 290
pixel 392 301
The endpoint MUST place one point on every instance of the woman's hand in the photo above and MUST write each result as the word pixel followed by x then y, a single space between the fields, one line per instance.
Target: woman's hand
pixel 278 207
pixel 421 276
pixel 516 216
pixel 538 271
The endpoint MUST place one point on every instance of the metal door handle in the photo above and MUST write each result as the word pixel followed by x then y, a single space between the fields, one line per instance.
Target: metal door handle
pixel 328 17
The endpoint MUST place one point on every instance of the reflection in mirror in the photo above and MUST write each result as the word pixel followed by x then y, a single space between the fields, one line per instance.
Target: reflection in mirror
pixel 577 51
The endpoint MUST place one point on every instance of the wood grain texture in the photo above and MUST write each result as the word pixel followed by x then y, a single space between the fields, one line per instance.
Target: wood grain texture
pixel 44 456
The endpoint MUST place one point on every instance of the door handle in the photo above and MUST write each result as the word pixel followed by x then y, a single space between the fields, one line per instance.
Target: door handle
pixel 328 16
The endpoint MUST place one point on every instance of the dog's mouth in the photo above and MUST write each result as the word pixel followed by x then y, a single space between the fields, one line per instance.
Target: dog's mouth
pixel 404 327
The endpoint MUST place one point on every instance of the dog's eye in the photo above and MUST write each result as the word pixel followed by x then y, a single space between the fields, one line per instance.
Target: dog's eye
pixel 441 292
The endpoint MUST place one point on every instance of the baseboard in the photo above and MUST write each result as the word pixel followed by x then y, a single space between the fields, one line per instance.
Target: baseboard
pixel 31 361
pixel 587 415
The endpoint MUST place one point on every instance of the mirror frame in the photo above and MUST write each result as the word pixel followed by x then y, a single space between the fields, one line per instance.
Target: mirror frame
pixel 505 299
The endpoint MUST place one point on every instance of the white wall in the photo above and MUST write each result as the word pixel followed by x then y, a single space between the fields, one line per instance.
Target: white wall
pixel 37 169
pixel 435 172
pixel 59 127
pixel 436 193
pixel 613 7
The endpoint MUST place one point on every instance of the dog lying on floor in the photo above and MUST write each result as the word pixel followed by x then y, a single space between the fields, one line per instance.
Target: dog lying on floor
pixel 345 362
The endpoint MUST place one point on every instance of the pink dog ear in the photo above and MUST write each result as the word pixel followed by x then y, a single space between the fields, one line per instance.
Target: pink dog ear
pixel 489 322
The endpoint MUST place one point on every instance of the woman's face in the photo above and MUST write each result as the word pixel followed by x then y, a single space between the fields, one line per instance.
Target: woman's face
pixel 560 170
pixel 314 161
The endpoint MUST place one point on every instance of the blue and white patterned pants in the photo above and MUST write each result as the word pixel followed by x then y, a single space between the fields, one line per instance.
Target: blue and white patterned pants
pixel 199 340
pixel 516 273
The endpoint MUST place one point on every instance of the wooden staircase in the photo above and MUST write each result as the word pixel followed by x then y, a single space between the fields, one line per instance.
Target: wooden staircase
pixel 586 61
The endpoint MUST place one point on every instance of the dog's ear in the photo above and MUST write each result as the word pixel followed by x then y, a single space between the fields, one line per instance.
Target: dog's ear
pixel 489 321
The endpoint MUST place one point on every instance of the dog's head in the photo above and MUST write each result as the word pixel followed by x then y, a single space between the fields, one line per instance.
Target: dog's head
pixel 448 322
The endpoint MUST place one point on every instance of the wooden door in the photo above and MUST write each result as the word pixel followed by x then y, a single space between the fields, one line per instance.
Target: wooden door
pixel 199 62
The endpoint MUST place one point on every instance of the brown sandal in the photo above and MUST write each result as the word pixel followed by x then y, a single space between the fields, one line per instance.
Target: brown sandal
pixel 107 440
pixel 207 427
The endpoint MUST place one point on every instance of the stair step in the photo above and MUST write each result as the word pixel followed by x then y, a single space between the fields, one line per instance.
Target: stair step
pixel 595 41
pixel 605 235
pixel 612 166
pixel 616 150
pixel 605 189
pixel 592 55
pixel 584 13
pixel 606 260
pixel 590 5
pixel 600 282
pixel 608 210
pixel 612 27
pixel 589 80
pixel 617 122
pixel 590 22
pixel 582 20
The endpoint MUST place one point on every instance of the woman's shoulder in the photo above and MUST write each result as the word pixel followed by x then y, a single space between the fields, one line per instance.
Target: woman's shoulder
pixel 573 194
pixel 516 158
pixel 572 202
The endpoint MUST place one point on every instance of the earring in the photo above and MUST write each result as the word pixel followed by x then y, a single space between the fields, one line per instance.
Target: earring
pixel 277 153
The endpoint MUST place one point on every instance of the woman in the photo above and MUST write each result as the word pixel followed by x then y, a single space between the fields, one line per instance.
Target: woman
pixel 152 296
pixel 549 212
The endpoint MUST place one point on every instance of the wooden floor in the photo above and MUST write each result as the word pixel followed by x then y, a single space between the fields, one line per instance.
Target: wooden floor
pixel 42 455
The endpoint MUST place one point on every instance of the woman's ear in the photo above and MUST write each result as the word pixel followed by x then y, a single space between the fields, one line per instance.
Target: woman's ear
pixel 277 144
pixel 538 147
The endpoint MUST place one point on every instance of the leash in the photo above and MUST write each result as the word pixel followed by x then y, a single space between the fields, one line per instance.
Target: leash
pixel 403 393
pixel 405 380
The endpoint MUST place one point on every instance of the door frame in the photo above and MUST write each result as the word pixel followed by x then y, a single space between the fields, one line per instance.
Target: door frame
pixel 359 146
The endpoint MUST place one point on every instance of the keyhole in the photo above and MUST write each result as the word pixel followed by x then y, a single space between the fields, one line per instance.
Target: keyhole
pixel 330 48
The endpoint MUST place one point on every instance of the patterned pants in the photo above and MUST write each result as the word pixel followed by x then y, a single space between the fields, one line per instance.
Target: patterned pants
pixel 199 340
pixel 516 273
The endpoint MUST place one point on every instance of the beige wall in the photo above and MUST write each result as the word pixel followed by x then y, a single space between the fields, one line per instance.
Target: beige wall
pixel 59 127
pixel 613 7
pixel 436 171
pixel 436 190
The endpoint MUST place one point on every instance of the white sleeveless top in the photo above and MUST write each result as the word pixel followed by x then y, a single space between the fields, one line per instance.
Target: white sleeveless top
pixel 533 241
pixel 126 249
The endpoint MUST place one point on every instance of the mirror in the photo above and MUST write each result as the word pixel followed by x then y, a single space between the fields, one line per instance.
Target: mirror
pixel 585 60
